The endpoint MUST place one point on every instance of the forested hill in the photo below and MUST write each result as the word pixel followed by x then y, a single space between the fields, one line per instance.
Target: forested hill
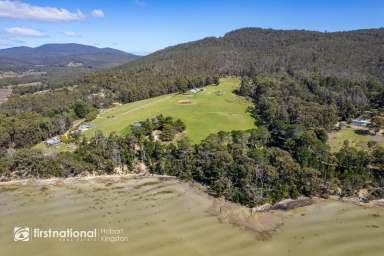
pixel 62 55
pixel 356 55
pixel 331 61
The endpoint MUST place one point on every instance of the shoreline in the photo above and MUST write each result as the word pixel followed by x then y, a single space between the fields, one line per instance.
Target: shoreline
pixel 48 181
pixel 198 188
pixel 261 224
pixel 261 221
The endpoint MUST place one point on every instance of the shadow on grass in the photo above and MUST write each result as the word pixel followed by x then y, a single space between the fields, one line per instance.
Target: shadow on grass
pixel 362 132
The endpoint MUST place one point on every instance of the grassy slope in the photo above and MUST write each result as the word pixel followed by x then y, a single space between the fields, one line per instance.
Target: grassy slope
pixel 207 113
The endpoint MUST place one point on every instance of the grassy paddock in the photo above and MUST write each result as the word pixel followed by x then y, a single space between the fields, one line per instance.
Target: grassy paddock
pixel 214 109
pixel 336 139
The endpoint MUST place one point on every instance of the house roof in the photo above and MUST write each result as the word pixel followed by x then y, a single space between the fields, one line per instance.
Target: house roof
pixel 360 120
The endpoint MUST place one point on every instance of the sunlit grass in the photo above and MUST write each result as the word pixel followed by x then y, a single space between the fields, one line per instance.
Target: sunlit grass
pixel 214 109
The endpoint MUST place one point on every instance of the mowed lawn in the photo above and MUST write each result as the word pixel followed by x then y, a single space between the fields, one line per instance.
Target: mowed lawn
pixel 214 109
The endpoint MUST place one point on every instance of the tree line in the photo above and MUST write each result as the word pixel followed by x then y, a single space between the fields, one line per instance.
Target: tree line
pixel 249 167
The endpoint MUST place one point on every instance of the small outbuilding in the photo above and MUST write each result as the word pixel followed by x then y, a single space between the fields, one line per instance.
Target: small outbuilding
pixel 137 124
pixel 360 122
pixel 195 90
pixel 53 141
pixel 85 127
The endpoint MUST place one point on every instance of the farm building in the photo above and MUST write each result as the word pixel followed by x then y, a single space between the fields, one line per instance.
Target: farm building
pixel 360 122
pixel 53 141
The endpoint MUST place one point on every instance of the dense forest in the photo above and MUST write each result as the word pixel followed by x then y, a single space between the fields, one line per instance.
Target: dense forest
pixel 250 167
pixel 355 55
pixel 312 102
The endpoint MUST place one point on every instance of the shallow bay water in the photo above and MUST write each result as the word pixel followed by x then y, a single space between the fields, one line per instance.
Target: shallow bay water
pixel 163 217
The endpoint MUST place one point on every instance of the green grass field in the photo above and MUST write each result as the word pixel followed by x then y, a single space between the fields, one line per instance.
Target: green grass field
pixel 336 139
pixel 214 109
pixel 55 149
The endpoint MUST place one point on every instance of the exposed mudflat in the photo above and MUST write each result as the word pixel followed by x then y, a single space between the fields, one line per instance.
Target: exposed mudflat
pixel 162 216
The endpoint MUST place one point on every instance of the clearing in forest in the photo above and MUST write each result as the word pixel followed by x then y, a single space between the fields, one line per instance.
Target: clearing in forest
pixel 356 137
pixel 213 109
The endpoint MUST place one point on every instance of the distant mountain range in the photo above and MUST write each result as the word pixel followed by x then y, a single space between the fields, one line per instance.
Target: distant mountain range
pixel 62 55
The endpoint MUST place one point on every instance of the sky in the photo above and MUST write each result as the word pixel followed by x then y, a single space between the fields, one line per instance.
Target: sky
pixel 144 26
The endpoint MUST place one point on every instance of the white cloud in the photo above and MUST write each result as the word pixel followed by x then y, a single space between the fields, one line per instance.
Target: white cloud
pixel 24 32
pixel 19 10
pixel 70 33
pixel 97 13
